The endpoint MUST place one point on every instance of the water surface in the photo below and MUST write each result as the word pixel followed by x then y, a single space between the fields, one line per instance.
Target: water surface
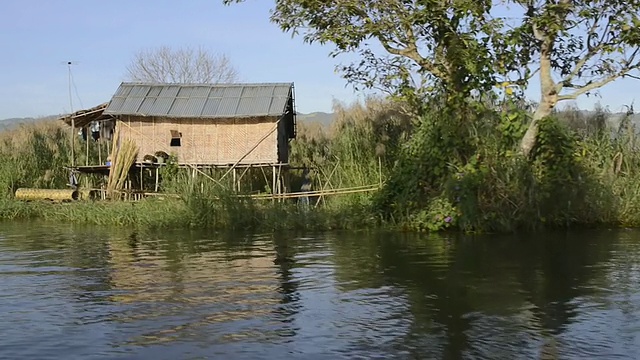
pixel 84 292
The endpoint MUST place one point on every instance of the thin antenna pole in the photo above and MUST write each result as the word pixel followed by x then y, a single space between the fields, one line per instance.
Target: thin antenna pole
pixel 73 121
pixel 70 97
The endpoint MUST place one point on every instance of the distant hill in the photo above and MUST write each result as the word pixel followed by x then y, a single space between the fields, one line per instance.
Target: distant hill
pixel 11 123
pixel 321 118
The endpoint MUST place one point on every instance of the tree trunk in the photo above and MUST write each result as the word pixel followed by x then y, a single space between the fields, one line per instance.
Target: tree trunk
pixel 548 94
pixel 529 139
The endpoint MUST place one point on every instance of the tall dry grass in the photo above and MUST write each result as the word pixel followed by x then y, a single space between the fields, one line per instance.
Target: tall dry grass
pixel 357 149
pixel 34 155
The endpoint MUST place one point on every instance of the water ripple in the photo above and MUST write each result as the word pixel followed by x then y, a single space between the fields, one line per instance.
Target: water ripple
pixel 87 292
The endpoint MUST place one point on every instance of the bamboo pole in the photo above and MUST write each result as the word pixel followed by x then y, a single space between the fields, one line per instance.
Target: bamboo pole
pixel 279 181
pixel 273 183
pixel 73 142
pixel 86 161
pixel 157 180
pixel 235 176
pixel 314 193
pixel 352 190
pixel 264 174
pixel 328 178
pixel 242 175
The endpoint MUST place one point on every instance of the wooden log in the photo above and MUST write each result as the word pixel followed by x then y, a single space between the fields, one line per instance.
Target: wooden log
pixel 46 194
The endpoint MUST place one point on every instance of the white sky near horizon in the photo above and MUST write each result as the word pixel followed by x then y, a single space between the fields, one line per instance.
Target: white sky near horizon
pixel 38 37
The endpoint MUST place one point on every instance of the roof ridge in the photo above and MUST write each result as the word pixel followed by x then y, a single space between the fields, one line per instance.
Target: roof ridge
pixel 133 83
pixel 262 100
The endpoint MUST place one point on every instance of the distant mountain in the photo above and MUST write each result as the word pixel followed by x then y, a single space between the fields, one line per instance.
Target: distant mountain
pixel 11 123
pixel 7 124
pixel 321 118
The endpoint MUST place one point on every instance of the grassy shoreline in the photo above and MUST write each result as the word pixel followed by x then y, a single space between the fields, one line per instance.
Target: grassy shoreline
pixel 441 171
pixel 172 213
pixel 177 213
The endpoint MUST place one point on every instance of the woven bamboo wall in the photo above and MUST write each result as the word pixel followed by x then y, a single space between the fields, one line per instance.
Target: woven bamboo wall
pixel 205 141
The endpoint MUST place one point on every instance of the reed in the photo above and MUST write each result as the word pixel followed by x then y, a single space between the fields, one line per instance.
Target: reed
pixel 123 156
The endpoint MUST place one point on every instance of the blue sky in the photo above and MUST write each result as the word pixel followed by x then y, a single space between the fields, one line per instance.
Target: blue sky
pixel 38 37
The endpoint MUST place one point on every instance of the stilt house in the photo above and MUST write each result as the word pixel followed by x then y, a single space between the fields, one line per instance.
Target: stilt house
pixel 211 124
pixel 201 124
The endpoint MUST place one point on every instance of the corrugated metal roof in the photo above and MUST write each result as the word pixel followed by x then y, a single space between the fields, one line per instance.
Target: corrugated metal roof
pixel 200 100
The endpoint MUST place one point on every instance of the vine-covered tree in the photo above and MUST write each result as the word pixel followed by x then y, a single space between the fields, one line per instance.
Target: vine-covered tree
pixel 184 65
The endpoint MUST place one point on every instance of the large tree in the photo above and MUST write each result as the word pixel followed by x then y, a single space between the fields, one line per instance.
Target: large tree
pixel 405 45
pixel 183 65
pixel 576 47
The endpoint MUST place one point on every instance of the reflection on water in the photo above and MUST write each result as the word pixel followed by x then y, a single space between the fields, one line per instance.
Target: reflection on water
pixel 75 292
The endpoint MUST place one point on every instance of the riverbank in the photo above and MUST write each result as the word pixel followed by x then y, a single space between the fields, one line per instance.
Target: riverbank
pixel 174 213
pixel 192 213
pixel 442 171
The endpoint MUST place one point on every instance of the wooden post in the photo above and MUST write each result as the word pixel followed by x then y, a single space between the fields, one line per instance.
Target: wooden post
pixel 157 175
pixel 242 176
pixel 73 142
pixel 279 191
pixel 235 180
pixel 380 170
pixel 273 182
pixel 86 161
pixel 287 183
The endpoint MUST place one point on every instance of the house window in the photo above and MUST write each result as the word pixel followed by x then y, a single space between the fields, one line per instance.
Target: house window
pixel 175 138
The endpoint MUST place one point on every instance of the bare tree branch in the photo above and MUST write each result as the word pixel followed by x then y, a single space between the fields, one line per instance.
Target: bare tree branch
pixel 185 65
pixel 591 52
pixel 596 84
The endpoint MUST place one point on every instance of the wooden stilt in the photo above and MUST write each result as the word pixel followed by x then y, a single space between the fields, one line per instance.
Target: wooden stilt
pixel 273 181
pixel 73 142
pixel 380 170
pixel 86 161
pixel 157 176
pixel 279 181
pixel 264 174
pixel 235 180
pixel 242 176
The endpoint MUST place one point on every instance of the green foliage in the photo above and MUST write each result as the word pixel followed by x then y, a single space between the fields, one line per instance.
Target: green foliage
pixel 451 45
pixel 358 150
pixel 461 48
pixel 439 215
pixel 443 140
